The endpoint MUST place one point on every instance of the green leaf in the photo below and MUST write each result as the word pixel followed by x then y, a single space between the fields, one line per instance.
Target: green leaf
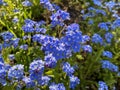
pixel 13 33
pixel 52 76
pixel 79 57
pixel 8 88
pixel 2 22
pixel 50 72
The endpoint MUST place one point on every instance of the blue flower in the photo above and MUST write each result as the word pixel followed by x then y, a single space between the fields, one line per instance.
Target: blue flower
pixel 85 38
pixel 98 11
pixel 68 69
pixel 1 47
pixel 1 2
pixel 72 37
pixel 5 4
pixel 26 37
pixel 15 20
pixel 3 82
pixel 59 17
pixel 15 42
pixel 57 49
pixel 58 54
pixel 2 77
pixel 28 28
pixel 74 27
pixel 91 9
pixel 1 65
pixel 44 1
pixel 87 48
pixel 30 22
pixel 90 22
pixel 2 74
pixel 7 67
pixel 7 36
pixel 40 23
pixel 59 86
pixel 110 5
pixel 50 47
pixel 102 85
pixel 50 61
pixel 103 26
pixel 37 38
pixel 110 66
pixel 44 80
pixel 89 14
pixel 60 46
pixel 49 6
pixel 7 44
pixel 24 47
pixel 11 57
pixel 53 86
pixel 55 23
pixel 1 59
pixel 74 81
pixel 96 38
pixel 36 70
pixel 116 24
pixel 16 10
pixel 56 7
pixel 97 2
pixel 76 47
pixel 16 72
pixel 41 30
pixel 54 46
pixel 28 82
pixel 26 3
pixel 68 39
pixel 82 11
pixel 107 54
pixel 108 37
pixel 115 15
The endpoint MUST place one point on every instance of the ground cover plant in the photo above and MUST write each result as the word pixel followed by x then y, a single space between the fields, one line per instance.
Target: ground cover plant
pixel 59 44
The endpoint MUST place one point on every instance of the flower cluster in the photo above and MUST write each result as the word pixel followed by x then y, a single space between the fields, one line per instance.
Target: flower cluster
pixel 16 72
pixel 32 26
pixel 110 66
pixel 59 17
pixel 9 39
pixel 59 86
pixel 2 74
pixel 39 54
pixel 102 86
pixel 26 3
pixel 47 4
pixel 107 54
